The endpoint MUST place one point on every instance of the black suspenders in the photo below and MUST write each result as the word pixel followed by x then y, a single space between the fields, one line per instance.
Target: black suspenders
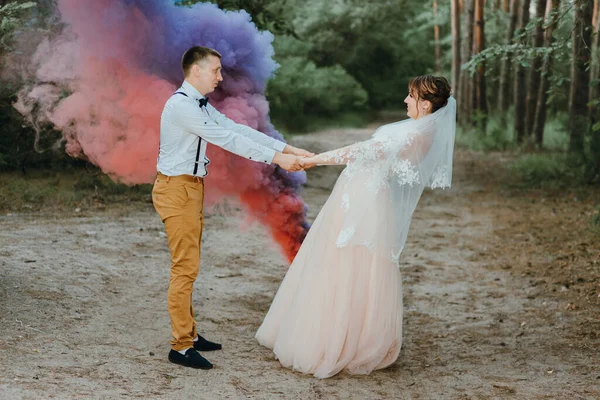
pixel 199 145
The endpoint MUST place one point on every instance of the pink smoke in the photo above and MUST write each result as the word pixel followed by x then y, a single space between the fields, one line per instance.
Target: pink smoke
pixel 105 80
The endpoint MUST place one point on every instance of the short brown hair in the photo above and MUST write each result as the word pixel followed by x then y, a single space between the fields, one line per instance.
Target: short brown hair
pixel 196 54
pixel 435 89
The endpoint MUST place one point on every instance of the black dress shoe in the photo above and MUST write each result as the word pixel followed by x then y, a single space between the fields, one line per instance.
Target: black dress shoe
pixel 191 359
pixel 206 345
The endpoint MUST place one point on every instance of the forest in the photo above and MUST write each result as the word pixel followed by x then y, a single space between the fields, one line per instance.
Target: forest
pixel 524 73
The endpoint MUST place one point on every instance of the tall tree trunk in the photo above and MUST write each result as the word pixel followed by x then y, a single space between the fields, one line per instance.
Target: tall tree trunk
pixel 551 19
pixel 505 5
pixel 594 71
pixel 594 174
pixel 455 45
pixel 534 75
pixel 580 77
pixel 436 38
pixel 466 84
pixel 520 89
pixel 478 46
pixel 504 93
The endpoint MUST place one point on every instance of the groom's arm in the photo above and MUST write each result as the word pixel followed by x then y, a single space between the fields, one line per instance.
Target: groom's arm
pixel 187 118
pixel 255 135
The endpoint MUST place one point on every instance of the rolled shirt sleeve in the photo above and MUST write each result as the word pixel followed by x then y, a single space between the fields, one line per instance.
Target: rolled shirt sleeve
pixel 188 117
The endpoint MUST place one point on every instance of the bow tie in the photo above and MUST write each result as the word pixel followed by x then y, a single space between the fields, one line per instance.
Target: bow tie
pixel 203 102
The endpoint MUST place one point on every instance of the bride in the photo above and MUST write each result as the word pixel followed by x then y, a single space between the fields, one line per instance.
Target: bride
pixel 340 303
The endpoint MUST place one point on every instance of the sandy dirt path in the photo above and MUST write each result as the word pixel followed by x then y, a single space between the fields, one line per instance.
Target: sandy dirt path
pixel 83 300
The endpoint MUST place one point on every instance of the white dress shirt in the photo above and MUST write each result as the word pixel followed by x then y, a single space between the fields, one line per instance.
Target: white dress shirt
pixel 183 123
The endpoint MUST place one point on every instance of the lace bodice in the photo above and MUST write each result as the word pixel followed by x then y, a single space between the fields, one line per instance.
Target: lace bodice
pixel 385 176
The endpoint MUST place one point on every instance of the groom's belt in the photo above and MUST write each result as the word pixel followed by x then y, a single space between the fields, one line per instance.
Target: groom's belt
pixel 184 178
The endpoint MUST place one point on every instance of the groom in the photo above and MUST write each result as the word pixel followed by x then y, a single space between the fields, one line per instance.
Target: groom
pixel 188 123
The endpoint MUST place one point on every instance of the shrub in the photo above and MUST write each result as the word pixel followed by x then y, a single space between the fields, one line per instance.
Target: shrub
pixel 301 92
pixel 549 170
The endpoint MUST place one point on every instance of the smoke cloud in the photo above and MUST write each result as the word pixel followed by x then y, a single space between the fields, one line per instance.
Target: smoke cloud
pixel 104 79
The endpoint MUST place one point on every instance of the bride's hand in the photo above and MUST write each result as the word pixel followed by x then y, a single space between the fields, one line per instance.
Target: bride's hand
pixel 308 162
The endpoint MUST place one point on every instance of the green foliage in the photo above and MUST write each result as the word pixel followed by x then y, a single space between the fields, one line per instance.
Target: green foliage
pixel 518 52
pixel 420 30
pixel 301 91
pixel 267 15
pixel 17 151
pixel 11 16
pixel 497 135
pixel 521 51
pixel 555 133
pixel 371 41
pixel 553 170
pixel 16 138
pixel 500 136
pixel 288 46
pixel 355 54
pixel 310 85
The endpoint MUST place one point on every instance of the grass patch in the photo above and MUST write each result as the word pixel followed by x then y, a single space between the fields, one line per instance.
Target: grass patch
pixel 555 134
pixel 551 170
pixel 65 190
pixel 497 136
pixel 500 135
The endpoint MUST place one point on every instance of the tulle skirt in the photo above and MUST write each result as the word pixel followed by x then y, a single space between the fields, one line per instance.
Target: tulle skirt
pixel 337 308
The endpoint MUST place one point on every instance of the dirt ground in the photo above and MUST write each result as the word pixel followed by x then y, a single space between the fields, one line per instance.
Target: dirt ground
pixel 501 298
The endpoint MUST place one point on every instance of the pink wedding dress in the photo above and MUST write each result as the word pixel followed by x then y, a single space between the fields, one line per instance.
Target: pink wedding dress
pixel 339 306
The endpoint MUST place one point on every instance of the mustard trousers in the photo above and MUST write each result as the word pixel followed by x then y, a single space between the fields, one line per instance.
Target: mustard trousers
pixel 178 200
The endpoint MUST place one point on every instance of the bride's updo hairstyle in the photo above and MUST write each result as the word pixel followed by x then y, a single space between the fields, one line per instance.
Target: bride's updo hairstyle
pixel 435 89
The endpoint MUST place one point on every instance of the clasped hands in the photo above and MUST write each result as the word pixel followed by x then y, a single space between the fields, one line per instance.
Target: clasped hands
pixel 294 159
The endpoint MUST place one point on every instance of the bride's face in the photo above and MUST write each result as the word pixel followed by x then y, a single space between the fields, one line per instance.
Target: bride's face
pixel 416 108
pixel 411 106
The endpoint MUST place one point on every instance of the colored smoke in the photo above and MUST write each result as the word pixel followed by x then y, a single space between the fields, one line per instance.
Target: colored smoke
pixel 104 79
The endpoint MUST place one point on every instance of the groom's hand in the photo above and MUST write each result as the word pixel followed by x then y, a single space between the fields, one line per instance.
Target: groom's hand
pixel 297 152
pixel 308 162
pixel 289 162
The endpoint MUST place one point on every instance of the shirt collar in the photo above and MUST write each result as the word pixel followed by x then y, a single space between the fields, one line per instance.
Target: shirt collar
pixel 191 91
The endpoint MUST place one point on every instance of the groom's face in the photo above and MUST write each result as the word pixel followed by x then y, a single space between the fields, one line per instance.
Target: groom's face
pixel 209 74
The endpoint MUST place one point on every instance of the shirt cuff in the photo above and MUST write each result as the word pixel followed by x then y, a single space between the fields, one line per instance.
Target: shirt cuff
pixel 268 157
pixel 279 146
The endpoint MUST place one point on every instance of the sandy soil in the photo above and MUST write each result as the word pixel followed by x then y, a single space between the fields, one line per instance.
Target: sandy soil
pixel 501 291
